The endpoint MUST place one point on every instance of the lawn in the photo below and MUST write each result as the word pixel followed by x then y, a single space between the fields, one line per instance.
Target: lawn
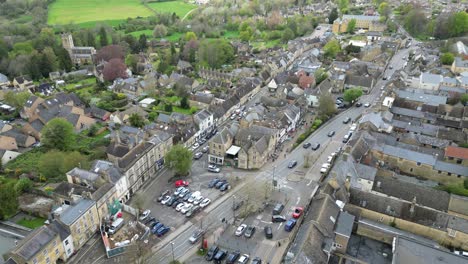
pixel 87 13
pixel 32 223
pixel 179 7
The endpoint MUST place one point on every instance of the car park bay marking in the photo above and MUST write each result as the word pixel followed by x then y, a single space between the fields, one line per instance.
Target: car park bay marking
pixel 266 222
pixel 298 200
pixel 279 226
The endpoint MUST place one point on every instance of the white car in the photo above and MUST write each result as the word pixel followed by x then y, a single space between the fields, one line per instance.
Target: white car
pixel 166 199
pixel 353 127
pixel 213 168
pixel 179 190
pixel 194 196
pixel 186 208
pixel 243 259
pixel 198 200
pixel 205 203
pixel 196 145
pixel 324 170
pixel 330 159
pixel 366 104
pixel 179 206
pixel 145 215
pixel 240 230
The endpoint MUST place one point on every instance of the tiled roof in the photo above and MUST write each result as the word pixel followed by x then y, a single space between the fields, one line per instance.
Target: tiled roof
pixel 35 242
pixel 456 152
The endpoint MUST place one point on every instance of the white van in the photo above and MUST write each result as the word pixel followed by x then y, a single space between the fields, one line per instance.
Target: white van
pixel 116 225
pixel 194 196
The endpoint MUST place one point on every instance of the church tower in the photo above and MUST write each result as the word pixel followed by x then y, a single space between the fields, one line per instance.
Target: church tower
pixel 67 42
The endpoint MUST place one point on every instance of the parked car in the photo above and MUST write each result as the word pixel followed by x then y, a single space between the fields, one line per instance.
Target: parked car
pixel 290 224
pixel 249 231
pixel 196 236
pixel 347 120
pixel 198 200
pixel 256 260
pixel 211 253
pixel 196 145
pixel 163 195
pixel 240 230
pixel 166 199
pixel 353 127
pixel 180 206
pixel 278 209
pixel 181 183
pixel 220 183
pixel 316 146
pixel 306 145
pixel 193 211
pixel 198 155
pixel 153 223
pixel 366 105
pixel 194 196
pixel 171 201
pixel 292 164
pixel 244 259
pixel 205 149
pixel 156 227
pixel 278 218
pixel 225 187
pixel 177 202
pixel 184 192
pixel 179 190
pixel 268 232
pixel 163 230
pixel 220 255
pixel 187 196
pixel 231 259
pixel 213 168
pixel 358 104
pixel 145 215
pixel 205 203
pixel 297 212
pixel 186 207
pixel 213 182
pixel 331 133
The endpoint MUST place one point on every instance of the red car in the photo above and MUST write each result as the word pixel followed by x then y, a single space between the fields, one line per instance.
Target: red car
pixel 297 212
pixel 180 183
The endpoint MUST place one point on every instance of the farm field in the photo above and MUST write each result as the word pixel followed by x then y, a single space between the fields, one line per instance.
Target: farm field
pixel 89 12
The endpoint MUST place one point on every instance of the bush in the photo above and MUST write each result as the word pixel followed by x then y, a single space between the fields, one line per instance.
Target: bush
pixel 465 184
pixel 23 185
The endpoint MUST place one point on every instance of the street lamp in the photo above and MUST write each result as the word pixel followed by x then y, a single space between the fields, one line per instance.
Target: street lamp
pixel 274 181
pixel 172 247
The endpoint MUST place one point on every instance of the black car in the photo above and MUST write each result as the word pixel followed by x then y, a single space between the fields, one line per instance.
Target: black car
pixel 213 182
pixel 149 219
pixel 231 259
pixel 177 202
pixel 278 218
pixel 220 183
pixel 220 255
pixel 161 197
pixel 257 260
pixel 306 145
pixel 268 232
pixel 152 221
pixel 358 104
pixel 225 187
pixel 187 196
pixel 292 164
pixel 171 201
pixel 249 231
pixel 331 133
pixel 237 205
pixel 211 253
pixel 316 146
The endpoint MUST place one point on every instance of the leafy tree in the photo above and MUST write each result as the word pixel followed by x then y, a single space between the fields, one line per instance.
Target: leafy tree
pixel 353 49
pixel 464 99
pixel 168 108
pixel 351 95
pixel 16 99
pixel 351 26
pixel 288 34
pixel 327 105
pixel 179 159
pixel 110 52
pixel 136 120
pixel 9 203
pixel 320 75
pixel 48 62
pixel 458 24
pixel 215 53
pixel 58 134
pixel 416 22
pixel 132 43
pixel 245 31
pixel 64 60
pixel 447 58
pixel 465 183
pixel 132 61
pixel 45 39
pixel 190 36
pixel 103 37
pixel 143 41
pixel 91 38
pixel 343 5
pixel 92 130
pixel 333 15
pixel 114 69
pixel 159 31
pixel 190 50
pixel 184 103
pixel 23 185
pixel 332 48
pixel 3 49
pixel 384 10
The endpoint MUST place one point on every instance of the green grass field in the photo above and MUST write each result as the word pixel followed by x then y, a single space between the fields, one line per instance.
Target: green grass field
pixel 87 13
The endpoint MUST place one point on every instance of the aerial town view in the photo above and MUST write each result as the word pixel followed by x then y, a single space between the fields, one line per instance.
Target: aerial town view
pixel 234 131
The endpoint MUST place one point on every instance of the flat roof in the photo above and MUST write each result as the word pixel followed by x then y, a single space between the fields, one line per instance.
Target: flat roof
pixel 233 150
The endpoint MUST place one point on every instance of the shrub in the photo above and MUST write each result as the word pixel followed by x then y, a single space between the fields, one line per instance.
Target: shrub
pixel 23 185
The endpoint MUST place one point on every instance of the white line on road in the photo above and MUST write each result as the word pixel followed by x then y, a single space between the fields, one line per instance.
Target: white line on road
pixel 279 226
pixel 298 200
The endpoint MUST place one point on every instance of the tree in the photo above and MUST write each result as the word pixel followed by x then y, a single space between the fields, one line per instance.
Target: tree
pixel 23 185
pixel 343 5
pixel 168 108
pixel 110 52
pixel 132 62
pixel 246 34
pixel 143 41
pixel 333 15
pixel 136 120
pixel 51 165
pixel 179 159
pixel 184 103
pixel 326 105
pixel 16 100
pixel 114 69
pixel 190 36
pixel 384 10
pixel 464 99
pixel 353 49
pixel 190 50
pixel 58 134
pixel 332 48
pixel 447 58
pixel 351 95
pixel 91 38
pixel 351 26
pixel 416 22
pixel 103 37
pixel 9 203
pixel 215 53
pixel 48 62
pixel 288 34
pixel 159 31
pixel 458 24
pixel 64 60
pixel 320 76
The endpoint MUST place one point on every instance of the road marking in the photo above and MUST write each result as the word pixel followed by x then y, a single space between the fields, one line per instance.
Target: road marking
pixel 266 222
pixel 298 200
pixel 279 226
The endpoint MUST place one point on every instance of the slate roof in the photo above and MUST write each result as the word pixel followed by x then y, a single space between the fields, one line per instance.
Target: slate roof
pixel 83 174
pixel 413 113
pixel 72 213
pixel 202 97
pixel 3 78
pixel 451 168
pixel 99 193
pixel 429 197
pixel 117 150
pixel 30 101
pixel 163 118
pixel 35 242
pixel 59 229
pixel 414 252
pixel 356 80
pixel 201 115
pixel 429 99
pixel 431 78
pixel 18 136
pixel 108 168
pixel 456 152
pixel 361 17
pixel 344 225
pixel 133 154
pixel 406 154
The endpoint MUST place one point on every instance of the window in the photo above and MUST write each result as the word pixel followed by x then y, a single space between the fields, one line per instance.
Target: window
pixel 44 252
pixel 459 161
pixel 411 169
pixel 452 233
pixel 47 260
pixel 55 243
pixel 69 251
pixel 35 261
pixel 78 230
pixel 56 251
pixel 449 174
pixel 439 172
pixel 418 163
pixel 66 242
